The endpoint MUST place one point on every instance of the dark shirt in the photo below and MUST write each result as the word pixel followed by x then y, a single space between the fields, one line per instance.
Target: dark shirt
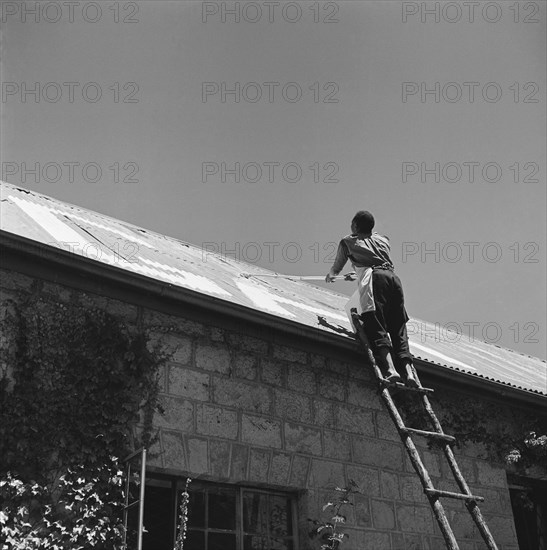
pixel 362 252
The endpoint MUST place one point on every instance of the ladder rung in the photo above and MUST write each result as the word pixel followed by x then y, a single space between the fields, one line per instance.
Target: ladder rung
pixel 424 433
pixel 449 494
pixel 404 387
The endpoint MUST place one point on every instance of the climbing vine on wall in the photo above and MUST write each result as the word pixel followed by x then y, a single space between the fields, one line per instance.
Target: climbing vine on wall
pixel 508 435
pixel 73 383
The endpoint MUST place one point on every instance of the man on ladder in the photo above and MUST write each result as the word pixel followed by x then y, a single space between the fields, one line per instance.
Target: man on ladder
pixel 380 293
pixel 382 315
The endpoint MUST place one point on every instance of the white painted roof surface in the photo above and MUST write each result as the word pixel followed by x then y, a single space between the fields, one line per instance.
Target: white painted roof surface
pixel 133 249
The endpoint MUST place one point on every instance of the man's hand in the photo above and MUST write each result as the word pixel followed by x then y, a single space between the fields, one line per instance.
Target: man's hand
pixel 331 277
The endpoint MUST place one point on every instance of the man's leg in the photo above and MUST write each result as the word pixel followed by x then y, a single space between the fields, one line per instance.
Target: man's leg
pixel 379 341
pixel 396 321
pixel 402 354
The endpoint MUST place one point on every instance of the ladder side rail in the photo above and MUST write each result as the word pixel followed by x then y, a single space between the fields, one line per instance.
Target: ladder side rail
pixel 428 408
pixel 471 506
pixel 364 342
pixel 480 522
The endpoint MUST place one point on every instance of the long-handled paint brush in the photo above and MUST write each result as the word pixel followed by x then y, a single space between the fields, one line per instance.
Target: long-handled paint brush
pixel 346 277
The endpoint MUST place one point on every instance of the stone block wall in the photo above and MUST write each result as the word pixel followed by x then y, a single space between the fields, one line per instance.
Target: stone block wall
pixel 248 410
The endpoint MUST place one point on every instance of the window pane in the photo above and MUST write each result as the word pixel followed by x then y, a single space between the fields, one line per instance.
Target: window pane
pixel 158 519
pixel 196 509
pixel 222 510
pixel 221 541
pixel 195 540
pixel 132 526
pixel 255 513
pixel 280 516
pixel 525 515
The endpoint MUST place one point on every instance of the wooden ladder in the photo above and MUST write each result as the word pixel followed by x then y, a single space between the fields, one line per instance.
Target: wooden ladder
pixel 433 495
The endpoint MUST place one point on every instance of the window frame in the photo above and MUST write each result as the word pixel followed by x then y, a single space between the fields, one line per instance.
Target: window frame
pixel 178 483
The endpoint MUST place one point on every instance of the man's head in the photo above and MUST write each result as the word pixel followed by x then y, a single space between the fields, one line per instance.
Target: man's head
pixel 362 222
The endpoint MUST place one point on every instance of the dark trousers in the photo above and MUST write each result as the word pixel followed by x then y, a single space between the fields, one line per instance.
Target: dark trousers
pixel 386 327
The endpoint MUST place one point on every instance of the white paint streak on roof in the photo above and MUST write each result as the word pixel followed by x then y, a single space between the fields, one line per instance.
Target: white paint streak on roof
pixel 311 309
pixel 183 278
pixel 63 234
pixel 441 356
pixel 112 229
pixel 50 223
pixel 261 298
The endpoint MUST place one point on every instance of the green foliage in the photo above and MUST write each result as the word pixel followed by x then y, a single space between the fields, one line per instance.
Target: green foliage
pixel 84 513
pixel 329 532
pixel 530 451
pixel 74 381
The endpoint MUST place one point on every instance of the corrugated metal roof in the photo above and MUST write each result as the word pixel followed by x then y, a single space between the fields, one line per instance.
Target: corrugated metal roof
pixel 133 249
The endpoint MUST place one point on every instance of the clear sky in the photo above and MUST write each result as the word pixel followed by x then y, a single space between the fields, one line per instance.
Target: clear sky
pixel 430 115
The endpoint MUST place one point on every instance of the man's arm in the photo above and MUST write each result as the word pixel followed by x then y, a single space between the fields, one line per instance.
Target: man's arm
pixel 339 262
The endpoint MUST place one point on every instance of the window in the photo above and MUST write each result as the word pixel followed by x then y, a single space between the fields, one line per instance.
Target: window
pixel 529 503
pixel 220 517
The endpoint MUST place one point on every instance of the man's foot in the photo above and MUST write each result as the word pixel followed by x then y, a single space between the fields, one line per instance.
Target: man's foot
pixel 387 368
pixel 411 381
